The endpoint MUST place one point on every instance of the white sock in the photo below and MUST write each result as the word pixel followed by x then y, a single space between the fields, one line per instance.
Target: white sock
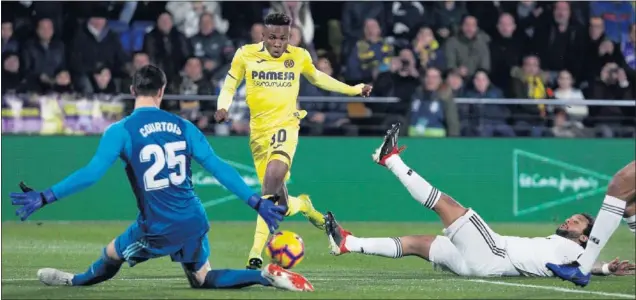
pixel 631 222
pixel 419 188
pixel 387 247
pixel 608 219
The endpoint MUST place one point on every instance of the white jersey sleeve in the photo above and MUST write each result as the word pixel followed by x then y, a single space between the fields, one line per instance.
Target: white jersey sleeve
pixel 530 255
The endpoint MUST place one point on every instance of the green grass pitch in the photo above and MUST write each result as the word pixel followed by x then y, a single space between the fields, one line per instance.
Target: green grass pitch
pixel 74 246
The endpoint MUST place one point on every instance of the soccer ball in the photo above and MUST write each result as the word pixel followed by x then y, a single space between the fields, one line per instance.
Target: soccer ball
pixel 286 249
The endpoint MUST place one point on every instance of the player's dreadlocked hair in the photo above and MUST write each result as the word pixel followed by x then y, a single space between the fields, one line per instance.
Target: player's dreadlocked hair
pixel 277 19
pixel 590 223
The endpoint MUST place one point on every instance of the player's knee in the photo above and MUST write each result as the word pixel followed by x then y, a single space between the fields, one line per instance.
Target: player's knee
pixel 276 169
pixel 418 245
pixel 111 252
pixel 196 278
pixel 623 184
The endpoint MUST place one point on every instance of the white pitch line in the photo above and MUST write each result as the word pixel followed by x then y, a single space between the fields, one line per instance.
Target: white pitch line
pixel 552 288
pixel 185 279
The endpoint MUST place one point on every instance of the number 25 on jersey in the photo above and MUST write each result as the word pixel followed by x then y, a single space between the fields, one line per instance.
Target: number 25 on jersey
pixel 162 156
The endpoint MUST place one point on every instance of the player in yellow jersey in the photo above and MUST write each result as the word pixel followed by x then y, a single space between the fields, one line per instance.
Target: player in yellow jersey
pixel 272 70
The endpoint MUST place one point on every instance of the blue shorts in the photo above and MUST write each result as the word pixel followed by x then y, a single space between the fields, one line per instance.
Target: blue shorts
pixel 132 247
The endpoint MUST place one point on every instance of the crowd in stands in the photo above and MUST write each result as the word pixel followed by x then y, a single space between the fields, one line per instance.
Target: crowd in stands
pixel 425 53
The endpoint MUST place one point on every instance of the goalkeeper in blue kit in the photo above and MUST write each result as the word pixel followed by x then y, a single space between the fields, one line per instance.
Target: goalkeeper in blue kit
pixel 157 148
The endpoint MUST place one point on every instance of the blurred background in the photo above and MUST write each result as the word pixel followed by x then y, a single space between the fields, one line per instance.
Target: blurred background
pixel 445 68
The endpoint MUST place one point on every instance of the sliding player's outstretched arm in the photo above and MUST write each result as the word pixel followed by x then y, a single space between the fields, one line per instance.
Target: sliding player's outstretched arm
pixel 326 82
pixel 614 267
pixel 232 80
pixel 109 149
pixel 228 176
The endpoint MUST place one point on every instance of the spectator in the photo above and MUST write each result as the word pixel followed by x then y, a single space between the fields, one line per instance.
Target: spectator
pixel 506 50
pixel 565 91
pixel 242 15
pixel 148 11
pixel 212 47
pixel 487 12
pixel 167 47
pixel 43 56
pixel 400 81
pixel 427 50
pixel 139 60
pixel 256 35
pixel 529 82
pixel 455 82
pixel 492 118
pixel 13 80
pixel 63 83
pixel 468 51
pixel 9 43
pixel 239 112
pixel 93 44
pixel 408 17
pixel 433 110
pixel 102 81
pixel 296 39
pixel 193 82
pixel 628 47
pixel 447 16
pixel 325 117
pixel 559 43
pixel 617 15
pixel 300 13
pixel 355 16
pixel 528 15
pixel 599 51
pixel 613 85
pixel 564 127
pixel 368 54
pixel 187 16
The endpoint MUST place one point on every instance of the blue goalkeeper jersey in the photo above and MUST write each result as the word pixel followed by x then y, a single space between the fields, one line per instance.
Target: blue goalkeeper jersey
pixel 157 148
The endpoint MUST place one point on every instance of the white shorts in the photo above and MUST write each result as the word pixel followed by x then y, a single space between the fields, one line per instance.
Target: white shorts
pixel 471 248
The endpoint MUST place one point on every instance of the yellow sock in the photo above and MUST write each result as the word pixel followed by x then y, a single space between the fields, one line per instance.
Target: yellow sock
pixel 295 205
pixel 260 238
pixel 314 216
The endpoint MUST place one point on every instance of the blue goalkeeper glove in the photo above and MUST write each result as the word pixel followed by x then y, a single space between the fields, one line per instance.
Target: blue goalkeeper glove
pixel 30 200
pixel 268 210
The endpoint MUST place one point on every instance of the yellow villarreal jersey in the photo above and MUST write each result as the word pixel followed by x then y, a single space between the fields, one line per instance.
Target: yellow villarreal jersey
pixel 272 83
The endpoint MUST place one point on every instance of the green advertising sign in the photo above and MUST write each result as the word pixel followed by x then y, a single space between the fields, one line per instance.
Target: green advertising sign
pixel 503 179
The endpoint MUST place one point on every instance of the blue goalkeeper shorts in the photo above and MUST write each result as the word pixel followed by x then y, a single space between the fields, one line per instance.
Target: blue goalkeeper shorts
pixel 132 247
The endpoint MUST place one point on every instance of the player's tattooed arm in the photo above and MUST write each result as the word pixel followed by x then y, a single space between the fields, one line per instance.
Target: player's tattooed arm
pixel 615 267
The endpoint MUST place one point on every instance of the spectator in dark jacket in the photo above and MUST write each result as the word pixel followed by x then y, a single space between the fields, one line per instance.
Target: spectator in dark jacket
pixel 167 47
pixel 490 119
pixel 93 44
pixel 613 85
pixel 447 17
pixel 628 48
pixel 468 51
pixel 13 81
pixel 44 55
pixel 528 14
pixel 368 54
pixel 212 47
pixel 599 51
pixel 399 81
pixel 102 81
pixel 192 82
pixel 9 43
pixel 324 117
pixel 408 17
pixel 63 83
pixel 559 43
pixel 506 50
pixel 617 15
pixel 433 109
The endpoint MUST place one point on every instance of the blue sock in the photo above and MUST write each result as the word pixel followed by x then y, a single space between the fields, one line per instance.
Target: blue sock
pixel 226 278
pixel 101 270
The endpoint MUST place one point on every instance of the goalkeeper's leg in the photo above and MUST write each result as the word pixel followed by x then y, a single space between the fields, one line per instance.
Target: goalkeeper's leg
pixel 101 270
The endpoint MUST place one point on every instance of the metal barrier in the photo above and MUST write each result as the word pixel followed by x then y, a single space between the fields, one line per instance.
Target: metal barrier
pixel 546 101
pixel 344 99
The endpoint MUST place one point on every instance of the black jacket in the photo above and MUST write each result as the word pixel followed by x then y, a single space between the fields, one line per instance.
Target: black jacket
pixel 87 51
pixel 37 59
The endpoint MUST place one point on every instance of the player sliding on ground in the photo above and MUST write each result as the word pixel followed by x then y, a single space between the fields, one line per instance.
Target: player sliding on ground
pixel 620 201
pixel 157 148
pixel 469 247
pixel 272 70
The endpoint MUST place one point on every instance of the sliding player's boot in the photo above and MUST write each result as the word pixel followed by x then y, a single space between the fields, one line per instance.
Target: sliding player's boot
pixel 570 272
pixel 337 235
pixel 56 277
pixel 315 217
pixel 286 280
pixel 389 146
pixel 254 263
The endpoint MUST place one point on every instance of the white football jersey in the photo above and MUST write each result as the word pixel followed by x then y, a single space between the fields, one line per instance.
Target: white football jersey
pixel 529 255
